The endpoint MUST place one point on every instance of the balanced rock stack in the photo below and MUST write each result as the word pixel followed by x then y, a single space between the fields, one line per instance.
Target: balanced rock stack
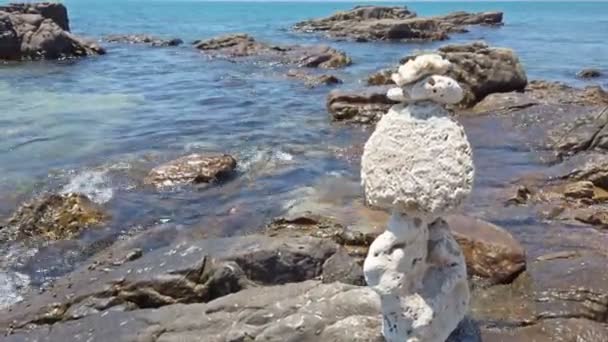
pixel 418 164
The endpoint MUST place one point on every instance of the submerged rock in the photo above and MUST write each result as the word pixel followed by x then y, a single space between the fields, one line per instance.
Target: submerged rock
pixel 192 169
pixel 589 73
pixel 313 81
pixel 243 45
pixel 53 217
pixel 479 69
pixel 40 31
pixel 142 39
pixel 367 23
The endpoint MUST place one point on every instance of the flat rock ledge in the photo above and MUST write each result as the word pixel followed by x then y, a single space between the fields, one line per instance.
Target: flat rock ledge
pixel 40 31
pixel 142 39
pixel 239 46
pixel 371 23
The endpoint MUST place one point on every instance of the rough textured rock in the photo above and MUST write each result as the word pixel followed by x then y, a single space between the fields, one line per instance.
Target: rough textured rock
pixel 417 68
pixel 49 10
pixel 363 106
pixel 555 286
pixel 365 23
pixel 40 31
pixel 307 312
pixel 53 217
pixel 187 272
pixel 242 45
pixel 192 169
pixel 589 73
pixel 490 252
pixel 313 80
pixel 479 69
pixel 439 173
pixel 142 39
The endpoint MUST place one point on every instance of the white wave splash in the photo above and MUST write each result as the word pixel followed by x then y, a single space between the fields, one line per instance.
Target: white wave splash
pixel 94 184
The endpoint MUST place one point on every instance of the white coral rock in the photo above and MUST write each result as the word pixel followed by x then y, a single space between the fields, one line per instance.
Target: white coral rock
pixel 419 67
pixel 417 162
pixel 440 89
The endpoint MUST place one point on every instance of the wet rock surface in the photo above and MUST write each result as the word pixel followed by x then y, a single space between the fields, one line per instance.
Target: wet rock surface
pixel 365 106
pixel 589 73
pixel 192 169
pixel 52 217
pixel 142 39
pixel 314 80
pixel 480 69
pixel 186 272
pixel 370 23
pixel 306 311
pixel 242 45
pixel 40 31
pixel 491 252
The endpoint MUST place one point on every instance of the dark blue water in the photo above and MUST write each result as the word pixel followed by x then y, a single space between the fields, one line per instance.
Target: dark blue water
pixel 97 125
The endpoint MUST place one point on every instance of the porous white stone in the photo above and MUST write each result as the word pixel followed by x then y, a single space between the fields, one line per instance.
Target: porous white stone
pixel 420 274
pixel 396 94
pixel 440 89
pixel 418 161
pixel 419 67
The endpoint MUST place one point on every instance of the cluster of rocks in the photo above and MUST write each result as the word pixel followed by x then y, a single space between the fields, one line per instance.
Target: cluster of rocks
pixel 368 23
pixel 243 45
pixel 142 39
pixel 479 69
pixel 40 31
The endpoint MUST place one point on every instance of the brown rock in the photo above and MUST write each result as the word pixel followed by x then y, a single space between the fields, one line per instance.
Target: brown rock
pixel 482 70
pixel 53 217
pixel 57 12
pixel 578 190
pixel 366 23
pixel 313 81
pixel 243 45
pixel 142 39
pixel 192 169
pixel 365 107
pixel 40 31
pixel 490 251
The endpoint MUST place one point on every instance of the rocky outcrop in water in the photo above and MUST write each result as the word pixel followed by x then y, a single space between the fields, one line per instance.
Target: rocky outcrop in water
pixel 364 106
pixel 52 217
pixel 192 169
pixel 369 23
pixel 142 39
pixel 314 80
pixel 242 45
pixel 589 73
pixel 40 31
pixel 481 70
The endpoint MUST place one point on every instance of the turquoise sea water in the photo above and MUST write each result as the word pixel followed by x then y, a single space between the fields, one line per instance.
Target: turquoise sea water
pixel 97 125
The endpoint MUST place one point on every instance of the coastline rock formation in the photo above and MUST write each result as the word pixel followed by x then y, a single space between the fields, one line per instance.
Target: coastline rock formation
pixel 192 169
pixel 142 39
pixel 243 45
pixel 369 23
pixel 52 217
pixel 479 69
pixel 40 31
pixel 418 164
pixel 589 73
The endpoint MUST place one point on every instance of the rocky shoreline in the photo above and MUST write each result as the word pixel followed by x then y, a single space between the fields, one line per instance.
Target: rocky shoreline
pixel 300 277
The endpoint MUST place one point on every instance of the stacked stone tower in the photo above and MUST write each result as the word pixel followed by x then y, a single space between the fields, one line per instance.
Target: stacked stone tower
pixel 418 164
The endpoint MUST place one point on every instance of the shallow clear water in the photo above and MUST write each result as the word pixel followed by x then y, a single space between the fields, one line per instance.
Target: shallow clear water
pixel 97 125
